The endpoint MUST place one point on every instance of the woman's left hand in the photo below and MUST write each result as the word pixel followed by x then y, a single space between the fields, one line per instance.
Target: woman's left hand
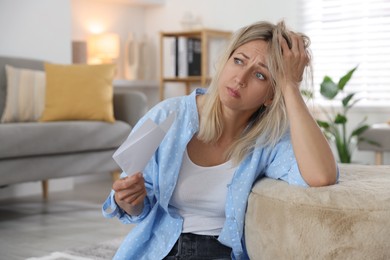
pixel 295 60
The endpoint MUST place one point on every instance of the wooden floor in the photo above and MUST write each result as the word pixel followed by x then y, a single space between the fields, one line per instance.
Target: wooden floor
pixel 31 227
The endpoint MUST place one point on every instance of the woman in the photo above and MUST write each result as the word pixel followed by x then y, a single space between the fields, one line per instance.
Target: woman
pixel 190 200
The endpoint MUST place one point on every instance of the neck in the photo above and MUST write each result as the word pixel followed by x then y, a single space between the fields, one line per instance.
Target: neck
pixel 234 123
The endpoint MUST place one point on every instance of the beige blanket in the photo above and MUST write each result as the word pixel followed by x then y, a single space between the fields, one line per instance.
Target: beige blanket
pixel 349 220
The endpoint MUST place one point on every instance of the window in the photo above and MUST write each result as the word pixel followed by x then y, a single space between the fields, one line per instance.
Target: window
pixel 350 33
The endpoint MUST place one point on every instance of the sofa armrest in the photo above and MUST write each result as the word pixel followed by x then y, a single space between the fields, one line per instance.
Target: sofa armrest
pixel 130 106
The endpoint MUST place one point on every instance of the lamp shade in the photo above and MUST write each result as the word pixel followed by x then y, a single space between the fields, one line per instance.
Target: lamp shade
pixel 103 48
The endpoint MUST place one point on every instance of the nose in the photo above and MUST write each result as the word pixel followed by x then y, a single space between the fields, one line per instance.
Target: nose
pixel 240 82
pixel 240 79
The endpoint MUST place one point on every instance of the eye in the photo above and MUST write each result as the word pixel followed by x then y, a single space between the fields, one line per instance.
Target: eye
pixel 259 75
pixel 237 61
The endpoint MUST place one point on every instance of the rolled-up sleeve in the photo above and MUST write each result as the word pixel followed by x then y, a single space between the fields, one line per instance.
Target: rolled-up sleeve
pixel 282 163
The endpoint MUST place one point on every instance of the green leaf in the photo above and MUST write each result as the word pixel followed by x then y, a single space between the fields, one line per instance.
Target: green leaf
pixel 352 104
pixel 347 99
pixel 336 124
pixel 329 89
pixel 340 119
pixel 323 124
pixel 342 150
pixel 344 80
pixel 345 157
pixel 358 131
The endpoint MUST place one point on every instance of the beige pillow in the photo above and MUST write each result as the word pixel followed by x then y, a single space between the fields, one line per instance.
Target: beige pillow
pixel 79 92
pixel 25 96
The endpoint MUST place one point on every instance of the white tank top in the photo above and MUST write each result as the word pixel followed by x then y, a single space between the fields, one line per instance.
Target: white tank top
pixel 200 196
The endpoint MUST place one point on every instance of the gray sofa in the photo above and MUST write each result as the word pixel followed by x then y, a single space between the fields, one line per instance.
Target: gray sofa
pixel 36 151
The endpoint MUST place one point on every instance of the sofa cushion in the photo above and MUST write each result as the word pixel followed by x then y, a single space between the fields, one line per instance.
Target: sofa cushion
pixel 35 139
pixel 79 92
pixel 349 220
pixel 15 62
pixel 25 97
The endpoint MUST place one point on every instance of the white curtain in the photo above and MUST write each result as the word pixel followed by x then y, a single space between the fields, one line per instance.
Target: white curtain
pixel 349 33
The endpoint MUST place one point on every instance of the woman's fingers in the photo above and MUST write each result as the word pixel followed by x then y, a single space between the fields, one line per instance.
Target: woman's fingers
pixel 138 198
pixel 127 182
pixel 304 57
pixel 295 58
pixel 284 45
pixel 126 193
pixel 130 188
pixel 131 197
pixel 297 47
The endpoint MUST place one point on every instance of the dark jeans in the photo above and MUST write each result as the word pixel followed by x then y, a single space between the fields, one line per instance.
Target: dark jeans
pixel 198 247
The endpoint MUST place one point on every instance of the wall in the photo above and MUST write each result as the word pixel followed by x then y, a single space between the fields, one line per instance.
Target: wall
pixel 91 16
pixel 220 14
pixel 36 29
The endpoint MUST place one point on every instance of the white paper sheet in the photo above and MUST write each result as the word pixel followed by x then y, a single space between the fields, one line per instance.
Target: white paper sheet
pixel 133 155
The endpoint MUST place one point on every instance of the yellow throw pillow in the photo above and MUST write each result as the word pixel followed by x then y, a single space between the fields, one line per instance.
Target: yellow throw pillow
pixel 79 92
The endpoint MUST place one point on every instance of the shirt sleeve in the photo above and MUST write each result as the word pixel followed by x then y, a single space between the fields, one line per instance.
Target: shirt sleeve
pixel 282 163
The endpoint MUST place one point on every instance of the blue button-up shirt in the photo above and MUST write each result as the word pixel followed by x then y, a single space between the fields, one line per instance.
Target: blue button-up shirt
pixel 158 226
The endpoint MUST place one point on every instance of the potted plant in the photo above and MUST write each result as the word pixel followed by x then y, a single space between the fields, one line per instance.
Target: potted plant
pixel 335 127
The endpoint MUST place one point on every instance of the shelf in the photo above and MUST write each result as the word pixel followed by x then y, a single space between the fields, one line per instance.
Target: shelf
pixel 206 37
pixel 187 79
pixel 141 3
pixel 198 33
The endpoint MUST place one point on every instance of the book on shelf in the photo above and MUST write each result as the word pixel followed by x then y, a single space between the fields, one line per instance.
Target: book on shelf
pixel 181 57
pixel 169 59
pixel 194 56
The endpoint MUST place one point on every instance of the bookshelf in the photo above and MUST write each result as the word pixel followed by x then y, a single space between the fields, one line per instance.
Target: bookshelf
pixel 170 61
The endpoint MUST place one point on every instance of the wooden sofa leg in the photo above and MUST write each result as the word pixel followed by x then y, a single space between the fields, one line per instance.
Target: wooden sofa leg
pixel 45 189
pixel 378 158
pixel 115 175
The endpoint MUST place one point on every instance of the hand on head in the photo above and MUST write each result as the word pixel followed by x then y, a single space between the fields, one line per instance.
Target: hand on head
pixel 295 58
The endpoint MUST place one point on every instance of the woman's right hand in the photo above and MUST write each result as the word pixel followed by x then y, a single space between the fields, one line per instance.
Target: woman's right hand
pixel 130 193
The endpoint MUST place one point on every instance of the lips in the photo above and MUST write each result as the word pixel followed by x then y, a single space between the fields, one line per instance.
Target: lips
pixel 233 93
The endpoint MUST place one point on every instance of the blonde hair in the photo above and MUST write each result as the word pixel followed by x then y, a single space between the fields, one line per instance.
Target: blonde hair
pixel 268 124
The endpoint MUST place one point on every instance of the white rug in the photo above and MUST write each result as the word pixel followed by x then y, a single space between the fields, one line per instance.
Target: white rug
pixel 100 251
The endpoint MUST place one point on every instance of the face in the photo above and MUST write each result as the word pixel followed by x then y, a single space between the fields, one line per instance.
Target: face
pixel 245 84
